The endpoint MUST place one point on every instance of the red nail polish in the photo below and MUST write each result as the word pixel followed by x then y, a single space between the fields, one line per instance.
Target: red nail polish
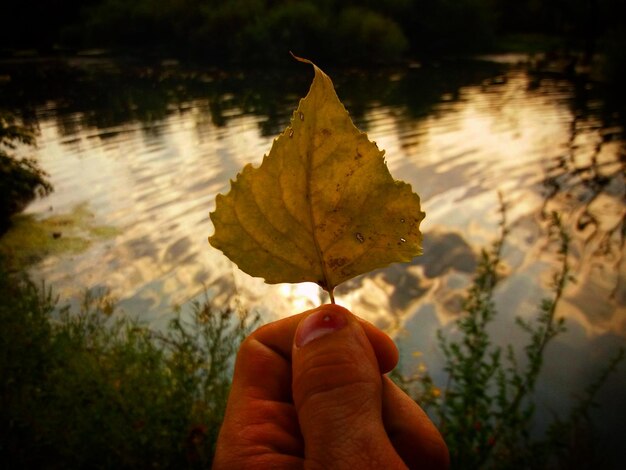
pixel 318 324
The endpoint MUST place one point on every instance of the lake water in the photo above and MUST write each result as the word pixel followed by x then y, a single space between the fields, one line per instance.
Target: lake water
pixel 148 148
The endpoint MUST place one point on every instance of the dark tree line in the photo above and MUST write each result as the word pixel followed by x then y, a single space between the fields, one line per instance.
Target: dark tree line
pixel 360 31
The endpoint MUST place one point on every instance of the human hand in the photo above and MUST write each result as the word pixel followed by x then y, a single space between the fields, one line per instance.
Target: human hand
pixel 308 392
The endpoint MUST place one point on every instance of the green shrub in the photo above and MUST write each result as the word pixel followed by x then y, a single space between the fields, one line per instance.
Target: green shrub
pixel 366 36
pixel 299 27
pixel 441 27
pixel 91 389
pixel 21 180
pixel 485 410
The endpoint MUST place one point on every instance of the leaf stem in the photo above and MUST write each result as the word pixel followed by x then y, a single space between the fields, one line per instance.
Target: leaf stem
pixel 332 296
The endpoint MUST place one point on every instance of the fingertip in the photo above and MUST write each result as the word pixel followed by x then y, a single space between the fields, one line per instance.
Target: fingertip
pixel 385 348
pixel 320 323
pixel 279 336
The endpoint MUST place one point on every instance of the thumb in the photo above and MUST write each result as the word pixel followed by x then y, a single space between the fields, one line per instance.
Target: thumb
pixel 337 392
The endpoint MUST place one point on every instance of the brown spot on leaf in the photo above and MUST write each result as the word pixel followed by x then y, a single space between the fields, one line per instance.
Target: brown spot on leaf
pixel 334 263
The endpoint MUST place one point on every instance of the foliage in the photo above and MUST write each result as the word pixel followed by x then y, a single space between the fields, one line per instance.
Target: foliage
pixel 262 31
pixel 485 410
pixel 365 35
pixel 300 26
pixel 21 179
pixel 439 27
pixel 614 46
pixel 322 207
pixel 89 389
pixel 242 31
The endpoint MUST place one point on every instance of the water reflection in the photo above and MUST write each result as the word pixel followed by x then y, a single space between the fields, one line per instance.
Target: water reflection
pixel 149 148
pixel 585 179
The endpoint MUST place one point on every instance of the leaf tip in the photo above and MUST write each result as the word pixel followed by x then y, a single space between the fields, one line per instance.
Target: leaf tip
pixel 301 59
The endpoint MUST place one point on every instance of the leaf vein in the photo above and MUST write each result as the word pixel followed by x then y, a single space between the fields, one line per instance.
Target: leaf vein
pixel 263 248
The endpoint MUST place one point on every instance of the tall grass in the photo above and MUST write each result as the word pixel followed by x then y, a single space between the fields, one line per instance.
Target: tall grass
pixel 486 409
pixel 91 389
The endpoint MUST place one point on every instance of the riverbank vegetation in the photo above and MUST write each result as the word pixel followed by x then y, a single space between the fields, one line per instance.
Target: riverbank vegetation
pixel 486 409
pixel 329 31
pixel 91 388
pixel 21 178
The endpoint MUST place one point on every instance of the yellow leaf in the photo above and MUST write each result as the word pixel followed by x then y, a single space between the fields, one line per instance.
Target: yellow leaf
pixel 322 207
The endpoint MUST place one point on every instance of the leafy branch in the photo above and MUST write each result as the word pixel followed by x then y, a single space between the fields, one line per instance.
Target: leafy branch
pixel 21 179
